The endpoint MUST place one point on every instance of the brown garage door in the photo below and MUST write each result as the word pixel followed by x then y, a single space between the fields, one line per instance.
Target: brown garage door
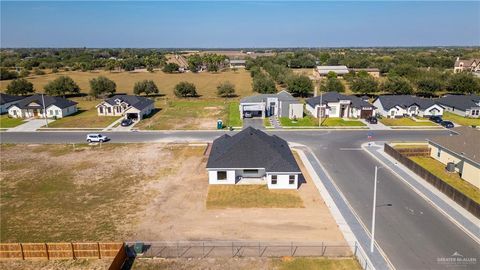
pixel 366 113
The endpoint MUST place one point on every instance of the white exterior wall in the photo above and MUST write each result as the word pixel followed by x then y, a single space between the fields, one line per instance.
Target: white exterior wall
pixel 470 113
pixel 311 110
pixel 355 113
pixel 295 111
pixel 52 111
pixel 432 110
pixel 212 178
pixel 4 107
pixel 282 182
pixel 455 111
pixel 15 112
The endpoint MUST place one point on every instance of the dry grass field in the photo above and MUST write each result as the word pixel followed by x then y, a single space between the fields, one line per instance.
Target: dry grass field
pixel 148 192
pixel 205 82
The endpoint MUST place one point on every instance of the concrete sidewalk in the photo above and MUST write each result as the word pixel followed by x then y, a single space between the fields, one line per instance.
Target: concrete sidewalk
pixel 30 125
pixel 349 223
pixel 457 214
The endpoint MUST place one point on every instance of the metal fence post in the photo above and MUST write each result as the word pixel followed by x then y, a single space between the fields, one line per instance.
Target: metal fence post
pixel 178 250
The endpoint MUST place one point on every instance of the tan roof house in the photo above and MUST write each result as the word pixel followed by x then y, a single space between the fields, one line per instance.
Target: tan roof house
pixel 462 149
pixel 471 65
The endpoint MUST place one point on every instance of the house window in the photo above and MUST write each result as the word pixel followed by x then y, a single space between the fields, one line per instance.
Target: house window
pixel 274 179
pixel 57 112
pixel 333 110
pixel 109 110
pixel 101 109
pixel 291 179
pixel 250 171
pixel 439 152
pixel 221 175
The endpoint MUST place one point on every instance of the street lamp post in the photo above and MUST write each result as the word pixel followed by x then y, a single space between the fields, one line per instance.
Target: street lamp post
pixel 373 211
pixel 44 111
pixel 320 112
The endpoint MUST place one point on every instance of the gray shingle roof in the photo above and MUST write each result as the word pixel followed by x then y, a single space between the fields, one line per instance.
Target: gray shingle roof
pixel 137 102
pixel 282 96
pixel 462 102
pixel 405 101
pixel 5 98
pixel 332 97
pixel 465 143
pixel 49 100
pixel 252 148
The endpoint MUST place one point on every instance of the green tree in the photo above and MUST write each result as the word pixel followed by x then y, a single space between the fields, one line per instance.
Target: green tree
pixel 24 73
pixel 300 85
pixel 332 85
pixel 6 74
pixel 170 68
pixel 185 89
pixel 464 83
pixel 263 84
pixel 331 74
pixel 397 85
pixel 226 89
pixel 38 71
pixel 20 87
pixel 147 87
pixel 364 84
pixel 61 86
pixel 101 86
pixel 428 85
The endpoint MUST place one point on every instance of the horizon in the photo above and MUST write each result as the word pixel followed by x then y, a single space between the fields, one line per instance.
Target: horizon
pixel 236 25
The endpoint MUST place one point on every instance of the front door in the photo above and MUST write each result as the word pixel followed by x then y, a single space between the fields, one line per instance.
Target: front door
pixel 35 113
pixel 272 109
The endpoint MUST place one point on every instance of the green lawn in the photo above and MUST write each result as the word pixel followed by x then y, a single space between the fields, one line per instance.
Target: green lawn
pixel 183 114
pixel 464 121
pixel 266 122
pixel 307 121
pixel 7 122
pixel 317 264
pixel 251 196
pixel 234 118
pixel 339 122
pixel 404 121
pixel 86 117
pixel 438 169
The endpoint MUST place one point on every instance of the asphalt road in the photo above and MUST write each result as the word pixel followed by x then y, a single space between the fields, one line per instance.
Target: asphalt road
pixel 413 234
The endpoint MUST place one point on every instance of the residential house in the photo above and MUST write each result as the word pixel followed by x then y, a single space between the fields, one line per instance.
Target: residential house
pixel 333 104
pixel 463 150
pixel 469 65
pixel 8 100
pixel 374 72
pixel 281 104
pixel 339 70
pixel 252 155
pixel 464 105
pixel 33 106
pixel 234 63
pixel 395 106
pixel 133 107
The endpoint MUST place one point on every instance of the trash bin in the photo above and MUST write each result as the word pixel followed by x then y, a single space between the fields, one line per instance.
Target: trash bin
pixel 219 124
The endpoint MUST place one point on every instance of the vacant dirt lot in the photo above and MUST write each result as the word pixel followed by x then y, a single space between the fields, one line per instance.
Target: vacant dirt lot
pixel 136 192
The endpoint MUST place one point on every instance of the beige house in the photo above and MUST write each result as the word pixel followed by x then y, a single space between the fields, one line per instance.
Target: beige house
pixel 374 72
pixel 133 107
pixel 470 65
pixel 34 106
pixel 463 150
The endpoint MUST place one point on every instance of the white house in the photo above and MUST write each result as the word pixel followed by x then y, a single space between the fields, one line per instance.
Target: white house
pixel 133 107
pixel 252 155
pixel 463 105
pixel 8 100
pixel 395 106
pixel 237 63
pixel 333 104
pixel 281 104
pixel 33 106
pixel 339 70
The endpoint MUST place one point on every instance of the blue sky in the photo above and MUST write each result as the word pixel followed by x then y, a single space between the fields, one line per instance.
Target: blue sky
pixel 239 24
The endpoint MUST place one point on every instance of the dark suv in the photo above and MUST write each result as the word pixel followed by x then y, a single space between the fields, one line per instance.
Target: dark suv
pixel 436 119
pixel 447 124
pixel 372 120
pixel 126 122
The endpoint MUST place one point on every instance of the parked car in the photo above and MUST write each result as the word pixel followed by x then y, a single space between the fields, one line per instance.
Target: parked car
pixel 247 115
pixel 126 122
pixel 447 124
pixel 436 119
pixel 372 120
pixel 96 138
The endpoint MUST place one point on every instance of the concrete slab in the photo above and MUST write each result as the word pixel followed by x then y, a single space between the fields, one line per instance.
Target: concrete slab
pixel 30 125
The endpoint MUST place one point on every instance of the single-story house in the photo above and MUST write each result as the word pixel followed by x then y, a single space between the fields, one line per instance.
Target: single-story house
pixel 334 104
pixel 252 155
pixel 374 72
pixel 464 105
pixel 238 63
pixel 281 104
pixel 32 106
pixel 339 70
pixel 8 100
pixel 462 149
pixel 394 106
pixel 133 107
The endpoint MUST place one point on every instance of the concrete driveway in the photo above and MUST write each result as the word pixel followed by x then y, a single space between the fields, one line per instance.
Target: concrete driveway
pixel 253 122
pixel 30 125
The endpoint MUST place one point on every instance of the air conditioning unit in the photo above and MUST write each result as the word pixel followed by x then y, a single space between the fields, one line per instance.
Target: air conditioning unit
pixel 450 167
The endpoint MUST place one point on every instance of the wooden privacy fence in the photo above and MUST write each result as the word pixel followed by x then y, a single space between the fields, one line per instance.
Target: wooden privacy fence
pixel 51 251
pixel 457 196
pixel 421 151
